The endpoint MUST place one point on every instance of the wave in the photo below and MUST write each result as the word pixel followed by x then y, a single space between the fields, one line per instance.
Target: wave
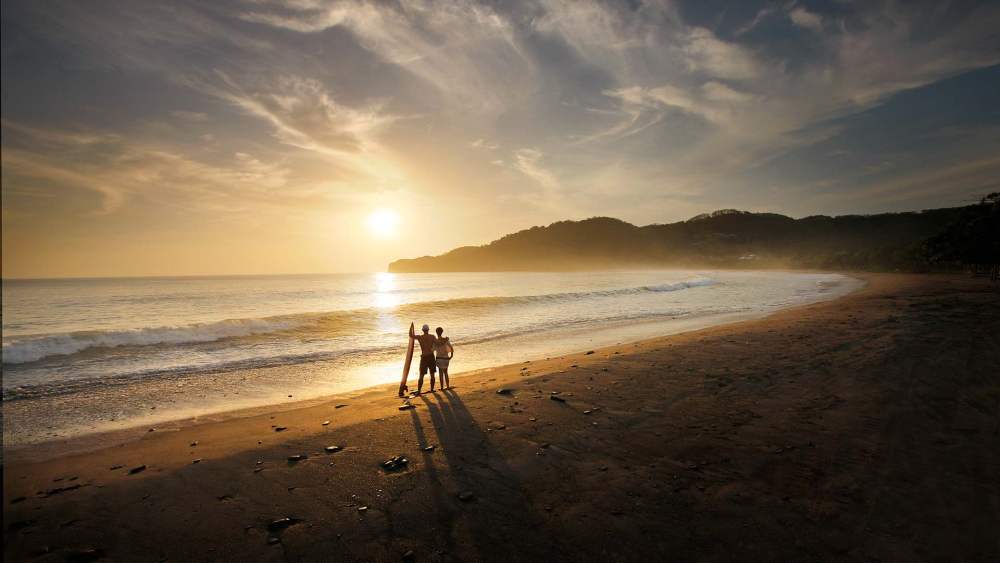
pixel 32 348
pixel 60 387
pixel 20 350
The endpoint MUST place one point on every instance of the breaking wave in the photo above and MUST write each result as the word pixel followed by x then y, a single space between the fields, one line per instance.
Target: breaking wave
pixel 32 348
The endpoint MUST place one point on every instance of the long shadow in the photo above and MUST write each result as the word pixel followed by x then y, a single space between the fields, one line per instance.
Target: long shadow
pixel 438 501
pixel 498 517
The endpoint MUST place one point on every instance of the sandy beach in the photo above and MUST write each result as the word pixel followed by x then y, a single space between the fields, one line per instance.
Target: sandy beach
pixel 864 428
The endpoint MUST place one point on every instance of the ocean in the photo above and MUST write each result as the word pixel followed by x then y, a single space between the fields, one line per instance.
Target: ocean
pixel 88 355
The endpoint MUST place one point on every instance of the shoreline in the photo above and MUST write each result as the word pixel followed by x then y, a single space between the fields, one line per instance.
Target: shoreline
pixel 47 450
pixel 859 428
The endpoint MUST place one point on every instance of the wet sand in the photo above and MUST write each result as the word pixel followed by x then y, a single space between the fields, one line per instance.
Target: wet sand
pixel 866 428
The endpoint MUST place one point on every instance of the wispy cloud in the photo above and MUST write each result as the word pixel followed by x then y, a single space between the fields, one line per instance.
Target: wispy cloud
pixel 463 49
pixel 484 144
pixel 804 18
pixel 120 171
pixel 528 162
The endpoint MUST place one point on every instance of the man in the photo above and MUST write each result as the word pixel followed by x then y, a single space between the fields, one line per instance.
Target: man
pixel 427 363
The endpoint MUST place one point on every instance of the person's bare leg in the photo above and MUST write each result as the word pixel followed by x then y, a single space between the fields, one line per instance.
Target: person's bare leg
pixel 420 383
pixel 432 381
pixel 444 379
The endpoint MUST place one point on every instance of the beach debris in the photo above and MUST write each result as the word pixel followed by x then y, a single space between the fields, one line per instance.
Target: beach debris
pixel 589 352
pixel 466 496
pixel 223 498
pixel 195 443
pixel 332 449
pixel 408 556
pixel 297 458
pixel 137 469
pixel 282 523
pixel 280 428
pixel 504 391
pixel 340 406
pixel 395 463
pixel 151 430
pixel 114 467
pixel 533 419
pixel 407 405
pixel 326 423
pixel 362 508
pixel 196 460
pixel 496 425
pixel 587 411
pixel 258 469
pixel 557 398
pixel 430 448
pixel 272 540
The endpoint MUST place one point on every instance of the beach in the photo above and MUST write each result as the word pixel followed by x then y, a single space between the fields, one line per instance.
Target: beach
pixel 860 428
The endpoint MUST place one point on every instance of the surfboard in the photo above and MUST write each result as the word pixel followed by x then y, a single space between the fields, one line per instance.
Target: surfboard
pixel 407 362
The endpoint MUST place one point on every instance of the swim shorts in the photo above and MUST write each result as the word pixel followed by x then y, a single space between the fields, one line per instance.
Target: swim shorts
pixel 427 364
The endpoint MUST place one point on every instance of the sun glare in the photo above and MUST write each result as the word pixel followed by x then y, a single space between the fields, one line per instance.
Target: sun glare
pixel 383 222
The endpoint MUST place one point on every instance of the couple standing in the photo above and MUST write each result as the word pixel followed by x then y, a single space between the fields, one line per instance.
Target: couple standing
pixel 436 353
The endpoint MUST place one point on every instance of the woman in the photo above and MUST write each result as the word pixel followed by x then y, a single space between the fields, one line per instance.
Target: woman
pixel 444 352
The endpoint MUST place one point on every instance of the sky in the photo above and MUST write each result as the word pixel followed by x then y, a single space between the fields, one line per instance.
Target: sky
pixel 294 136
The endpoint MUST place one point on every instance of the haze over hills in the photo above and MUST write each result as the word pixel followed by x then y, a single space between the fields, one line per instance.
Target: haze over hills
pixel 724 239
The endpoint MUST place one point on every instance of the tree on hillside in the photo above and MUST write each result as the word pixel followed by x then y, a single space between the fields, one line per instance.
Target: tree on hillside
pixel 972 240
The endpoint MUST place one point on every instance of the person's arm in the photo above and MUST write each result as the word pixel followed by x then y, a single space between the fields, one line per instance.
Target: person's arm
pixel 451 350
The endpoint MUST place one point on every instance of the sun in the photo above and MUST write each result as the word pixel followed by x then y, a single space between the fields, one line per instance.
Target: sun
pixel 383 222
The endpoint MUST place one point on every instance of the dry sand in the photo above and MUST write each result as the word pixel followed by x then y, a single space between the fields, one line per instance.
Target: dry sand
pixel 866 428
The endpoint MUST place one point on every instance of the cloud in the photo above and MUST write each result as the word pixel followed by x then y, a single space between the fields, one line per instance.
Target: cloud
pixel 719 92
pixel 466 50
pixel 713 101
pixel 708 54
pixel 759 17
pixel 528 162
pixel 806 19
pixel 304 115
pixel 120 171
pixel 483 144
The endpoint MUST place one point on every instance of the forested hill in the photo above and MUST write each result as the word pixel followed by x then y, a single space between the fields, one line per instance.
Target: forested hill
pixel 725 239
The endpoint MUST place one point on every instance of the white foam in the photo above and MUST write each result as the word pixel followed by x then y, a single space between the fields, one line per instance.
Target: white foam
pixel 19 350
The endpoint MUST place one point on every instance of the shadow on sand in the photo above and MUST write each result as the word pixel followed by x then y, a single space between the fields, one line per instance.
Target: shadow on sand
pixel 477 498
